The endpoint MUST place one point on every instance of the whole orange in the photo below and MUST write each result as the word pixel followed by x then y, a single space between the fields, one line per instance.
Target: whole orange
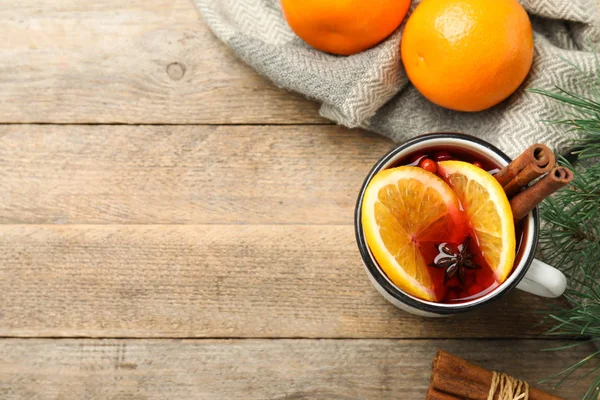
pixel 344 26
pixel 467 55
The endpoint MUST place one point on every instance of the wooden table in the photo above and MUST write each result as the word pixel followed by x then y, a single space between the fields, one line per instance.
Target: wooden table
pixel 175 227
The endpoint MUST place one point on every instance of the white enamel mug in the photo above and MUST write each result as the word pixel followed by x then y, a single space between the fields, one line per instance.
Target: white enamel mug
pixel 529 274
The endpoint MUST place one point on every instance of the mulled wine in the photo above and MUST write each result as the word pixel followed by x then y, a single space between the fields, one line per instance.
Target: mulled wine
pixel 456 262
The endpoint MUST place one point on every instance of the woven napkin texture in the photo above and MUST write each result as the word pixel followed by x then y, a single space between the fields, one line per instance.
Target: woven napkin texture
pixel 370 90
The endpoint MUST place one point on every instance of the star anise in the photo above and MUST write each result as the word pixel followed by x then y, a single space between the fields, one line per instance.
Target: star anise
pixel 456 261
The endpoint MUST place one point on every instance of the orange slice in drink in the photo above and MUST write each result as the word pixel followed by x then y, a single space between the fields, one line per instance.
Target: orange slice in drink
pixel 488 212
pixel 403 207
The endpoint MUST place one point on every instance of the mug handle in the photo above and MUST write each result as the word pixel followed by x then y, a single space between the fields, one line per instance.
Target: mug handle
pixel 543 280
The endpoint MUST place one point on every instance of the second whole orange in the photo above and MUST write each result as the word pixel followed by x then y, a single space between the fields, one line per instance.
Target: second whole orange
pixel 344 27
pixel 467 55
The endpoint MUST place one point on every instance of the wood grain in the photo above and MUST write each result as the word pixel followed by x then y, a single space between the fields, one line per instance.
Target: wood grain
pixel 183 174
pixel 214 281
pixel 255 369
pixel 235 232
pixel 137 61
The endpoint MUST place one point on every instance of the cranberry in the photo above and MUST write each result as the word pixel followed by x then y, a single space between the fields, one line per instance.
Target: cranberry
pixel 442 156
pixel 474 290
pixel 470 280
pixel 484 280
pixel 415 159
pixel 478 164
pixel 429 165
pixel 453 282
pixel 451 295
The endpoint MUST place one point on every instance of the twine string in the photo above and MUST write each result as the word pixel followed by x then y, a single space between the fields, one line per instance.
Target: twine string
pixel 508 388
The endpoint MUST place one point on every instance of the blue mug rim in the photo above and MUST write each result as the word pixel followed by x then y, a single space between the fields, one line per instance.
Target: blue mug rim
pixel 376 272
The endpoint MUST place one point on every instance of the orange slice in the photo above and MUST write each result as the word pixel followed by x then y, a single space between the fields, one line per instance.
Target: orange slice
pixel 401 208
pixel 488 212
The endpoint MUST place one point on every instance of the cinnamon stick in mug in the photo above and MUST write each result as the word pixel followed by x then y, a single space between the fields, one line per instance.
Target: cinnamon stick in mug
pixel 528 199
pixel 534 162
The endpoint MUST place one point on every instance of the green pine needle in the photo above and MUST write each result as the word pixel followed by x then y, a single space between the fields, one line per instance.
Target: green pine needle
pixel 581 322
pixel 570 237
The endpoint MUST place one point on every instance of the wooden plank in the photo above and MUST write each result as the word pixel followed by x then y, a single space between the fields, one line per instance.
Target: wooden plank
pixel 183 174
pixel 256 369
pixel 137 61
pixel 213 281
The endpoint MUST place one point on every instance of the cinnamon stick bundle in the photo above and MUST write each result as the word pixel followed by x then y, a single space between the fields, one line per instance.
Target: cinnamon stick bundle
pixel 528 199
pixel 453 378
pixel 433 394
pixel 536 161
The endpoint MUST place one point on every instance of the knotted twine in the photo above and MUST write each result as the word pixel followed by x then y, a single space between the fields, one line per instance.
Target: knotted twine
pixel 508 388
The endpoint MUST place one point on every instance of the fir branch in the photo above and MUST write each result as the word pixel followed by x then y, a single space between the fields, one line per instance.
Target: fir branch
pixel 580 321
pixel 570 237
pixel 585 119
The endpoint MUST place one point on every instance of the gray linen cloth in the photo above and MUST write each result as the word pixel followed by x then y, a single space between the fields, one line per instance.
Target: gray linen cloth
pixel 371 90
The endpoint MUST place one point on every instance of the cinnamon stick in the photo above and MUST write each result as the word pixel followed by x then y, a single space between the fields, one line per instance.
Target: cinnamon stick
pixel 534 162
pixel 433 394
pixel 460 379
pixel 528 199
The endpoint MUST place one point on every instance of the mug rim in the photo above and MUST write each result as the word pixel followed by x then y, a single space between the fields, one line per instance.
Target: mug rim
pixel 379 276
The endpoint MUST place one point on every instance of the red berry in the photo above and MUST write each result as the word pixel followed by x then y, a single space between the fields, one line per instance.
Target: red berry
pixel 428 165
pixel 415 159
pixel 442 156
pixel 485 280
pixel 453 282
pixel 470 280
pixel 451 295
pixel 475 290
pixel 478 164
